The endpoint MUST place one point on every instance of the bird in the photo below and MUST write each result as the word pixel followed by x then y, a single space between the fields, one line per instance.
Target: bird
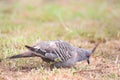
pixel 57 52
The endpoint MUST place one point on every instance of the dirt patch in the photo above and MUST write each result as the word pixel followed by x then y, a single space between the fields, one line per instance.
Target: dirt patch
pixel 103 64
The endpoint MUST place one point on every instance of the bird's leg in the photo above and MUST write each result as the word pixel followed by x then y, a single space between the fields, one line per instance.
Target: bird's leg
pixel 51 67
pixel 74 67
pixel 55 65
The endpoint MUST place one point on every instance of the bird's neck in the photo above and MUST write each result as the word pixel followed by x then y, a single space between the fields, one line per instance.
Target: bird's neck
pixel 78 54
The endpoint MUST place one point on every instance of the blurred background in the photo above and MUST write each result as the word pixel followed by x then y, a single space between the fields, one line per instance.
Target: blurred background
pixel 79 22
pixel 93 19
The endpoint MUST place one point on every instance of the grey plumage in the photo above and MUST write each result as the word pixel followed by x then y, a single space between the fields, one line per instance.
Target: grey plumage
pixel 61 53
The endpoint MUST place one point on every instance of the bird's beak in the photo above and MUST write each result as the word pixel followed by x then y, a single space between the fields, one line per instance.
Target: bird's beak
pixel 88 61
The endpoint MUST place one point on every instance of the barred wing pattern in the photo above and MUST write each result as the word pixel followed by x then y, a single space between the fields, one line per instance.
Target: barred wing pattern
pixel 63 50
pixel 59 48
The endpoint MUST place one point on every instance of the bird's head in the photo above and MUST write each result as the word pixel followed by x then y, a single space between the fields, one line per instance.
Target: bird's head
pixel 85 54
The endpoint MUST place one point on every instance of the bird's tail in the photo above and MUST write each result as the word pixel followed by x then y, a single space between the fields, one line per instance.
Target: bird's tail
pixel 22 55
pixel 93 50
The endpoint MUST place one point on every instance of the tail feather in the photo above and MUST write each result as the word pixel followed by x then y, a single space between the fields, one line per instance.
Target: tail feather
pixel 23 55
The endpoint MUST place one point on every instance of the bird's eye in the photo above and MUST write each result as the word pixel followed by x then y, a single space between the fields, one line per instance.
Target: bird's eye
pixel 88 55
pixel 39 50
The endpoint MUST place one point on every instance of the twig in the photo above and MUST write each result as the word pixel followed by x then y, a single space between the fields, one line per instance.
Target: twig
pixel 117 59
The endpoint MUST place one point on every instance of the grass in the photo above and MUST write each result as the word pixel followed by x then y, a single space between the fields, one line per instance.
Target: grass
pixel 81 23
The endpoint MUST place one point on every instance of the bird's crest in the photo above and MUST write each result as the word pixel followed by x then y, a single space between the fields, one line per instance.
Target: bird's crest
pixel 93 50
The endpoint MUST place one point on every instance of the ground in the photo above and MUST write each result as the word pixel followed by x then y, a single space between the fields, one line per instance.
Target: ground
pixel 81 23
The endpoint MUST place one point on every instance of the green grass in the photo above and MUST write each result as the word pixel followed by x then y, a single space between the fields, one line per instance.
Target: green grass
pixel 73 21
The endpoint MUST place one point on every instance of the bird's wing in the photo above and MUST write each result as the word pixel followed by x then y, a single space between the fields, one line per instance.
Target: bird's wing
pixel 64 50
pixel 53 50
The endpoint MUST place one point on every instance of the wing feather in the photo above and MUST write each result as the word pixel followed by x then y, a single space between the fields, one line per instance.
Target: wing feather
pixel 61 49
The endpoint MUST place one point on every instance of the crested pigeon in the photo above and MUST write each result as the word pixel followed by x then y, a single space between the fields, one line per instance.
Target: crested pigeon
pixel 60 53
